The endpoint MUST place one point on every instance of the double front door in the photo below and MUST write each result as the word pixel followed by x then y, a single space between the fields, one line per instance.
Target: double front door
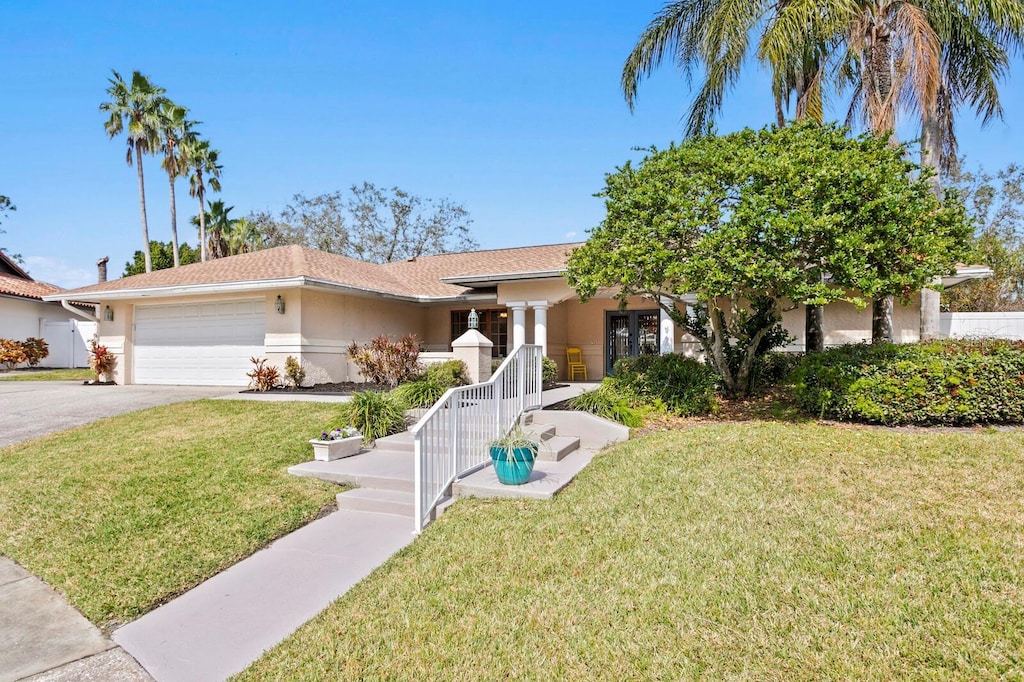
pixel 630 333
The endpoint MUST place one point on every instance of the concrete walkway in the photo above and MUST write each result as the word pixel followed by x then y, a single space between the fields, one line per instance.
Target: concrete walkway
pixel 220 627
pixel 42 638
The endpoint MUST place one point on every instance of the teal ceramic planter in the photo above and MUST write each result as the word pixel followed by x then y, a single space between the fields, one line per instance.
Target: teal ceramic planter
pixel 513 468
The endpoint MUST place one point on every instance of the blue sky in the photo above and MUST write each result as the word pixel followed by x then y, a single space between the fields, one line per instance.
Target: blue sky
pixel 512 109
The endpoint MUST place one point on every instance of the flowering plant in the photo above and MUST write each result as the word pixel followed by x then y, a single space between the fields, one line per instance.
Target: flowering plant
pixel 340 433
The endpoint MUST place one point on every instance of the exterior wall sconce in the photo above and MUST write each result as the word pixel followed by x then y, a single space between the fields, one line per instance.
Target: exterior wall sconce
pixel 474 319
pixel 279 305
pixel 108 314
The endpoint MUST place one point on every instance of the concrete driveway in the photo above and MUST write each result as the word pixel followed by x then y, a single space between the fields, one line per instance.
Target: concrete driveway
pixel 35 408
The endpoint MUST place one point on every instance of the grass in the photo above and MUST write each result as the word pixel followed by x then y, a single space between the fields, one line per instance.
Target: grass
pixel 758 550
pixel 52 375
pixel 122 514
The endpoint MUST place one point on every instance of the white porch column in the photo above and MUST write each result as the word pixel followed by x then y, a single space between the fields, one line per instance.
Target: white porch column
pixel 667 329
pixel 518 309
pixel 540 324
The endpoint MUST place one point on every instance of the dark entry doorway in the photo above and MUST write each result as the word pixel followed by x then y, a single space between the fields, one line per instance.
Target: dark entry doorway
pixel 629 333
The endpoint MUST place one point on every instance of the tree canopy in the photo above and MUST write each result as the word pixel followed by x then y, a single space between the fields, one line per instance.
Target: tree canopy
pixel 757 222
pixel 370 223
pixel 162 257
pixel 996 203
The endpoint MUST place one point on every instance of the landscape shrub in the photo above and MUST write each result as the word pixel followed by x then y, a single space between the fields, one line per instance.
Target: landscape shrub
pixel 772 369
pixel 684 385
pixel 421 393
pixel 36 350
pixel 949 382
pixel 386 361
pixel 263 377
pixel 549 370
pixel 605 402
pixel 448 374
pixel 374 413
pixel 295 372
pixel 12 353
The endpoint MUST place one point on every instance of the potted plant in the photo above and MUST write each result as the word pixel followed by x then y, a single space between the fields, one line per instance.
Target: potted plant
pixel 337 443
pixel 513 456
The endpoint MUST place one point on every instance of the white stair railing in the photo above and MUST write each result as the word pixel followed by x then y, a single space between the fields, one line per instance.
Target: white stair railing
pixel 451 438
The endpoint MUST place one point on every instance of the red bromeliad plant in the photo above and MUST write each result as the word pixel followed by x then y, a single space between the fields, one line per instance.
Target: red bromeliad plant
pixel 101 360
pixel 386 361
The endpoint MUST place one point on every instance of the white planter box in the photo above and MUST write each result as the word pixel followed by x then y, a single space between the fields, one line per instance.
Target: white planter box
pixel 328 450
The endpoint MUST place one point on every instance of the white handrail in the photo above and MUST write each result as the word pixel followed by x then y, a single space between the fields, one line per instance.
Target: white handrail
pixel 451 438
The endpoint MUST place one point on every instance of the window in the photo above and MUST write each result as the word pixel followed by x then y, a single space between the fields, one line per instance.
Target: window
pixel 493 325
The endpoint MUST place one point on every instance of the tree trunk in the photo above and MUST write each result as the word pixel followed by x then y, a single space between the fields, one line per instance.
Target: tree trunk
pixel 142 207
pixel 881 320
pixel 931 151
pixel 202 229
pixel 174 224
pixel 814 329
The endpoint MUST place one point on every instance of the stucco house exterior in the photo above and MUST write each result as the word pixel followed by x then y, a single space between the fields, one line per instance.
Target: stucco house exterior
pixel 201 323
pixel 24 314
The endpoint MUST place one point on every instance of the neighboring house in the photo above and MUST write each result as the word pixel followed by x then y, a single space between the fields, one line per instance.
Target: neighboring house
pixel 201 323
pixel 24 314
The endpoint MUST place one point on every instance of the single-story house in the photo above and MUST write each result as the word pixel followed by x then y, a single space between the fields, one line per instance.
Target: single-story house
pixel 24 314
pixel 201 323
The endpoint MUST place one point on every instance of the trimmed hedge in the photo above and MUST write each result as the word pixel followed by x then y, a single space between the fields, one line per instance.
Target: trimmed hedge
pixel 951 383
pixel 685 386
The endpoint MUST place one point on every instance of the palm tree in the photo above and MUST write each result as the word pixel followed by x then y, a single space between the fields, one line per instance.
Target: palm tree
pixel 136 108
pixel 218 225
pixel 202 160
pixel 244 237
pixel 928 57
pixel 177 131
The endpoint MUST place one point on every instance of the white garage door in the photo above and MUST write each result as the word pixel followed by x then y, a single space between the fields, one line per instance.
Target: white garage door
pixel 204 344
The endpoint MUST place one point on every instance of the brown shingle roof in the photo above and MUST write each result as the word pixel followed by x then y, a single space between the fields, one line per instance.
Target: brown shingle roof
pixel 25 288
pixel 415 278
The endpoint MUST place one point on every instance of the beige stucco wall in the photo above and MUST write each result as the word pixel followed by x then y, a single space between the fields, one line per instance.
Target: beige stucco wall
pixel 551 290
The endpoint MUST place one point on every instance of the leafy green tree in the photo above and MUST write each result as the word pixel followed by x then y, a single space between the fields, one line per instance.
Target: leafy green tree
pixel 370 223
pixel 176 132
pixel 757 222
pixel 201 160
pixel 135 109
pixel 930 58
pixel 162 257
pixel 996 204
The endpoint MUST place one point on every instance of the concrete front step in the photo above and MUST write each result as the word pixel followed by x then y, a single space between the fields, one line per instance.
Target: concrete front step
pixel 554 448
pixel 393 502
pixel 380 469
pixel 400 442
pixel 540 432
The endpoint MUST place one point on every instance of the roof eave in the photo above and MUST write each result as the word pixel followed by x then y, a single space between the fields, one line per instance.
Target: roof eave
pixel 177 290
pixel 494 278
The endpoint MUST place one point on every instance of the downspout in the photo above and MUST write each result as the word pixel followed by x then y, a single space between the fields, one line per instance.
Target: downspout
pixel 71 309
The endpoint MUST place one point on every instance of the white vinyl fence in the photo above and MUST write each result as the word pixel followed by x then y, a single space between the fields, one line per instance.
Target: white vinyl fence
pixel 993 325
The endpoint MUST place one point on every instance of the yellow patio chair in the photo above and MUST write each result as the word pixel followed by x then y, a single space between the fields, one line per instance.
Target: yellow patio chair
pixel 574 363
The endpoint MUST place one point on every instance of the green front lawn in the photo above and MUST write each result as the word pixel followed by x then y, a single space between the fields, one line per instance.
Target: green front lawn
pixel 124 513
pixel 52 375
pixel 760 550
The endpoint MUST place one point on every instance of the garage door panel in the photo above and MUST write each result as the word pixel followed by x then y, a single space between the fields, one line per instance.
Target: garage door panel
pixel 200 344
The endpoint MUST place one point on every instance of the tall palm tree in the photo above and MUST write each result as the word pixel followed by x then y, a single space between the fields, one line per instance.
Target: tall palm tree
pixel 219 226
pixel 205 172
pixel 136 108
pixel 176 132
pixel 926 56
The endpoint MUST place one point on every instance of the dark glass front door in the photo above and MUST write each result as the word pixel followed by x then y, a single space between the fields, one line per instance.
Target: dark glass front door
pixel 630 333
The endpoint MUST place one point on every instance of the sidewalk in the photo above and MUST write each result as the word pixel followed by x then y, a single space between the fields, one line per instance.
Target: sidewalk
pixel 220 627
pixel 43 639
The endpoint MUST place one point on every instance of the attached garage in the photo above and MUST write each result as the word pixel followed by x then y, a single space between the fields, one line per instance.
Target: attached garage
pixel 201 344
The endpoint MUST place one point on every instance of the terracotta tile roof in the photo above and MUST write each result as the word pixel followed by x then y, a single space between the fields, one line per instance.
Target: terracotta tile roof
pixel 25 288
pixel 415 278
